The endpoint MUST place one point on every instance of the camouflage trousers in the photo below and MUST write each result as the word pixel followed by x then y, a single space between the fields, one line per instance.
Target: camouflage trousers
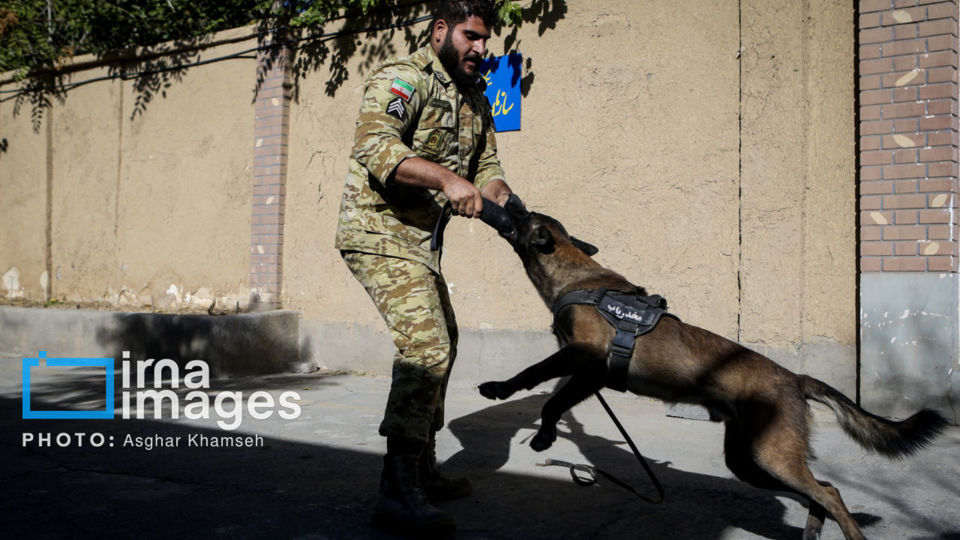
pixel 414 302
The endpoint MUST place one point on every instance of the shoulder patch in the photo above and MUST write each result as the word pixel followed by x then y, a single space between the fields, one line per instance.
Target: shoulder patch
pixel 396 108
pixel 402 88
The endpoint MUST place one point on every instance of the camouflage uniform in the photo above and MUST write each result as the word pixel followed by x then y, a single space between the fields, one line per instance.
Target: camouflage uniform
pixel 411 107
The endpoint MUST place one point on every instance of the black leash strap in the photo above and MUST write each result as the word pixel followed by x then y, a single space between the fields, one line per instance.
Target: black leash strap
pixel 586 475
pixel 436 242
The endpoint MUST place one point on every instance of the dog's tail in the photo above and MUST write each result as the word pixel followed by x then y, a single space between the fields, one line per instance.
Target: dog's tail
pixel 887 437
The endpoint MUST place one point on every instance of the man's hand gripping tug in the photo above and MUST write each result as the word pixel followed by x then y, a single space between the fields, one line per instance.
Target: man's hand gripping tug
pixel 465 199
pixel 493 215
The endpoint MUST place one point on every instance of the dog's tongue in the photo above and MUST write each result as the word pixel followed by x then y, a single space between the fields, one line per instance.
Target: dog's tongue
pixel 495 216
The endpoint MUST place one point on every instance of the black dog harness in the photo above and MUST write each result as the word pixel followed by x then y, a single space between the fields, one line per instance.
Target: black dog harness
pixel 631 314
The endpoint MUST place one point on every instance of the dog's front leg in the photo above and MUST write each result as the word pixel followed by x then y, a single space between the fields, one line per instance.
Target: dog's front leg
pixel 559 364
pixel 585 381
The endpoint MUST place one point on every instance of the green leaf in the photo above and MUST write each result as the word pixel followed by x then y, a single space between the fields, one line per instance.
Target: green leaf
pixel 511 14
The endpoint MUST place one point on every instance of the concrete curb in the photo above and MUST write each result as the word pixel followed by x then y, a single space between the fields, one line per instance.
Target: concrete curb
pixel 252 343
pixel 232 345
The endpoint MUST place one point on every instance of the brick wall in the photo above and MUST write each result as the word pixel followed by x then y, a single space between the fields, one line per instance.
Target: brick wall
pixel 271 130
pixel 908 135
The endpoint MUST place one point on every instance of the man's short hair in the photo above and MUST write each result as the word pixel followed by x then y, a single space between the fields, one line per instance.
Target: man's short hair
pixel 455 12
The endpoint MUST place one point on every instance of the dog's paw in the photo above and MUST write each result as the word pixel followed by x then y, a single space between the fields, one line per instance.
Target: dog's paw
pixel 495 390
pixel 543 439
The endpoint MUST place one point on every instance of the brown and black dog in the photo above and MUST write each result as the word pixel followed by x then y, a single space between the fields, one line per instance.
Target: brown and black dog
pixel 763 405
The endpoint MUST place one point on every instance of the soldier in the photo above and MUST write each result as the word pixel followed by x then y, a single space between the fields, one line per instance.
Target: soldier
pixel 424 137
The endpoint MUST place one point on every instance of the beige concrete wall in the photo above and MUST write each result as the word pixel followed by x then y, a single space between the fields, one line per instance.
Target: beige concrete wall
pixel 620 135
pixel 798 180
pixel 830 249
pixel 84 241
pixel 705 146
pixel 631 137
pixel 184 183
pixel 150 190
pixel 831 173
pixel 23 204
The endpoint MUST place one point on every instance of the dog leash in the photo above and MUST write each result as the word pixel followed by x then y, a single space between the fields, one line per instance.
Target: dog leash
pixel 588 474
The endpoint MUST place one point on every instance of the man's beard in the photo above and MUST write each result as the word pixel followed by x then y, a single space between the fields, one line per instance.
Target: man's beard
pixel 450 58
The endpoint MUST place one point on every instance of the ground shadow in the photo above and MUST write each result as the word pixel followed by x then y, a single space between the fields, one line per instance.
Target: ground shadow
pixel 280 489
pixel 291 489
pixel 696 506
pixel 295 486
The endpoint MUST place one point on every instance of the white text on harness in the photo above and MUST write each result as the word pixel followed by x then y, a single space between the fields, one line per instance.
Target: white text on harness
pixel 623 314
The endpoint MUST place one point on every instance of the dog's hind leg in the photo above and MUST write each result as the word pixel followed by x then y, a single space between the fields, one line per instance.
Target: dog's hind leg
pixel 582 385
pixel 742 465
pixel 781 452
pixel 738 454
pixel 822 497
pixel 559 364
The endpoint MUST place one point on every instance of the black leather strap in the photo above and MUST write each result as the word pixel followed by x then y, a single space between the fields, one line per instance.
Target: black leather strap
pixel 619 354
pixel 436 242
pixel 586 297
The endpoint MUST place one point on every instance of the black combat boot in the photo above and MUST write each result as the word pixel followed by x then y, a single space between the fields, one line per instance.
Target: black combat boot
pixel 436 485
pixel 401 505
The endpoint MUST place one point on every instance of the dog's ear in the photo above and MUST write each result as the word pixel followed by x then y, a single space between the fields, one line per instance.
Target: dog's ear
pixel 542 238
pixel 589 249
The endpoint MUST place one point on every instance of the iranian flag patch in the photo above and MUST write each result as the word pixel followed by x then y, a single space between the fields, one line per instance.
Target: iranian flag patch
pixel 402 89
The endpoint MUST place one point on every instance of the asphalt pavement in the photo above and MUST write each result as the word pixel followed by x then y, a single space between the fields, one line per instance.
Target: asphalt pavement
pixel 309 469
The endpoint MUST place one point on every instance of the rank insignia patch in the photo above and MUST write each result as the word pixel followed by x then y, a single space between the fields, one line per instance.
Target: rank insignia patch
pixel 396 108
pixel 434 141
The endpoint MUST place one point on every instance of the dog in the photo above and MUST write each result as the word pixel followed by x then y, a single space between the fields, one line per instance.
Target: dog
pixel 763 405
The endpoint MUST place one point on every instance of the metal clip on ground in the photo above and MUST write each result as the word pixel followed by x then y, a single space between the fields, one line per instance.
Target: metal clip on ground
pixel 590 473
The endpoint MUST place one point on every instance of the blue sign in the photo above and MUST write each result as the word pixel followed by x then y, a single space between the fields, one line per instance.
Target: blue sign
pixel 106 363
pixel 502 75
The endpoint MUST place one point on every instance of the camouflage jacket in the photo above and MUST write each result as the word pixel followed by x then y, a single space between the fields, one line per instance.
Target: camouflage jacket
pixel 411 107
